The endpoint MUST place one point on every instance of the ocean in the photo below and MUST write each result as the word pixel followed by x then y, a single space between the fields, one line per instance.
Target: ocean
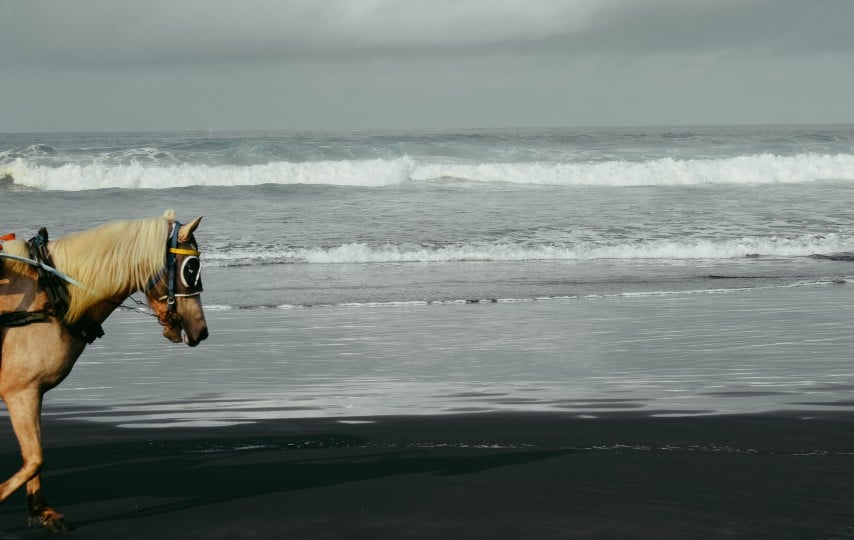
pixel 666 270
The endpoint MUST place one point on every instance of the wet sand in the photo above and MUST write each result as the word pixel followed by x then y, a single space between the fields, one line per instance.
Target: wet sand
pixel 456 476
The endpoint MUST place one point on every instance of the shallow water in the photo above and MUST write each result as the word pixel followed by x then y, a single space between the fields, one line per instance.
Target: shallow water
pixel 676 354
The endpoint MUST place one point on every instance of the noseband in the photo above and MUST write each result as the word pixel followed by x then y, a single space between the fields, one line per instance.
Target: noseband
pixel 183 262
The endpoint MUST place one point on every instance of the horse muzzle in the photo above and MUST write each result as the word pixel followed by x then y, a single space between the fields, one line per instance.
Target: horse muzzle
pixel 178 330
pixel 195 338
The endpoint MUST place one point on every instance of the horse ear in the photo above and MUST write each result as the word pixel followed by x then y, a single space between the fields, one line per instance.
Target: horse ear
pixel 186 230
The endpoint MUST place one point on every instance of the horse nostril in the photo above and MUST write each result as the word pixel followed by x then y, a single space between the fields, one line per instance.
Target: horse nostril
pixel 204 334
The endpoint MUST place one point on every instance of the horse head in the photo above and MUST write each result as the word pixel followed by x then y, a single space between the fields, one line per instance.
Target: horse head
pixel 175 293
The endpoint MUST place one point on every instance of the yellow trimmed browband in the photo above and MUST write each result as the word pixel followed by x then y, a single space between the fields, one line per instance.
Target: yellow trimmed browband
pixel 180 251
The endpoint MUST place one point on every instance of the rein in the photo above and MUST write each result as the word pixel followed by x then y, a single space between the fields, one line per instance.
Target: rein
pixel 42 236
pixel 43 266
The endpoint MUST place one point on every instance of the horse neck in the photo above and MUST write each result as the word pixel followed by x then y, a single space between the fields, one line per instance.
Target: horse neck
pixel 119 266
pixel 99 312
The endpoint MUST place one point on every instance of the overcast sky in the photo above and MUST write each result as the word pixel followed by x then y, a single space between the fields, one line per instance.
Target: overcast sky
pixel 324 64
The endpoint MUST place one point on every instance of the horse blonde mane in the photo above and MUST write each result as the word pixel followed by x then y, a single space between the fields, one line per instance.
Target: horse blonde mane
pixel 112 260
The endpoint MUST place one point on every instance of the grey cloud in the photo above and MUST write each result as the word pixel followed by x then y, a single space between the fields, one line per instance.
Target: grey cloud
pixel 286 64
pixel 101 31
pixel 120 32
pixel 771 26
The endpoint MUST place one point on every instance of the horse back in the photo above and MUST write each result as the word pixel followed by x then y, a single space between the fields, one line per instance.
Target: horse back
pixel 18 280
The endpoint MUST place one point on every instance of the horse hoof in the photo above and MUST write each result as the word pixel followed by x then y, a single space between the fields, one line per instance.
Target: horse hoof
pixel 50 520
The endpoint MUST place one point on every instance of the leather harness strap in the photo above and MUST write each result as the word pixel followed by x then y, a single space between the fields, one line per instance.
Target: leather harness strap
pixel 23 318
pixel 171 272
pixel 57 296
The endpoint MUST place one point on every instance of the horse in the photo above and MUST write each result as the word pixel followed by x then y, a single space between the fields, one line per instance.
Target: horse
pixel 105 265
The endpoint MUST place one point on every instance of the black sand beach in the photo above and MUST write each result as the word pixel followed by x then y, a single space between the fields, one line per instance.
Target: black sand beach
pixel 456 476
pixel 129 455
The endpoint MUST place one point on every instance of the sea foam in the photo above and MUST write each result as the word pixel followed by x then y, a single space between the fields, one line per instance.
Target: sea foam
pixel 75 177
pixel 142 174
pixel 361 253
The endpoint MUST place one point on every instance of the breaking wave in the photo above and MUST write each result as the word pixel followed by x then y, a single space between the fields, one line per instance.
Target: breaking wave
pixel 31 172
pixel 360 253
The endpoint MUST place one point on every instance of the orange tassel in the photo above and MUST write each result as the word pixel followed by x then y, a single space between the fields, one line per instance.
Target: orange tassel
pixel 5 237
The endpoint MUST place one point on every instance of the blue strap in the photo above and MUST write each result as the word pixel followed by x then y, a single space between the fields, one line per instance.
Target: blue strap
pixel 170 266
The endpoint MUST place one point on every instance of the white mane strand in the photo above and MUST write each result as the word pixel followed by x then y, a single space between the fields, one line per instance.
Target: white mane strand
pixel 112 260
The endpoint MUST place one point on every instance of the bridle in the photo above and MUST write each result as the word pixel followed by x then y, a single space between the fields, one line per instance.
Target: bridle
pixel 182 273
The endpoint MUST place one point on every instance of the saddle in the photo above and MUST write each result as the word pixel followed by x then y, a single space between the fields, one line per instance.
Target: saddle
pixel 57 295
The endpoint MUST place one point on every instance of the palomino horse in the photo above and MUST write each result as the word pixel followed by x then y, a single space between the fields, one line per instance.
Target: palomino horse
pixel 107 264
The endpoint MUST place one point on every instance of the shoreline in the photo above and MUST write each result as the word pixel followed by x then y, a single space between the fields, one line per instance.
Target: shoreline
pixel 488 475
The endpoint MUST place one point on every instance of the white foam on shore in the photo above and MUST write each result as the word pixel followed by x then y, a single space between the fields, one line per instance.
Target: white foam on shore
pixel 361 253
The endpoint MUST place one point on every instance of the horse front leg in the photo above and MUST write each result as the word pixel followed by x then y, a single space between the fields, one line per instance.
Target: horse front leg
pixel 25 413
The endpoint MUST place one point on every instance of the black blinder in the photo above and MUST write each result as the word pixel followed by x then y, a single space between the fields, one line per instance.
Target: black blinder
pixel 191 273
